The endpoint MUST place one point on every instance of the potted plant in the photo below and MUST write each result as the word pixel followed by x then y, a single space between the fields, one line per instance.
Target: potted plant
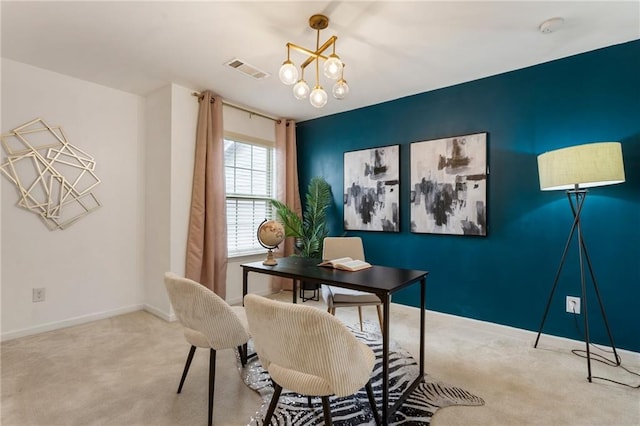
pixel 310 229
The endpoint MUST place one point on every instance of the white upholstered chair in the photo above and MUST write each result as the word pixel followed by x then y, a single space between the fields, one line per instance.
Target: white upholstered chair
pixel 209 322
pixel 308 351
pixel 336 297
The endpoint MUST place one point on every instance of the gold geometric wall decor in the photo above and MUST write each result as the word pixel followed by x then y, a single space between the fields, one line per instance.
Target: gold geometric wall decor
pixel 54 178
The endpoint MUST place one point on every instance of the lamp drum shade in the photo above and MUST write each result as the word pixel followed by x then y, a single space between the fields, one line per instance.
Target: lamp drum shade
pixel 588 165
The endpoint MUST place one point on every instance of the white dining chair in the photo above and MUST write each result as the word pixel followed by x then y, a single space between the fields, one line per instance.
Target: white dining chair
pixel 310 352
pixel 209 322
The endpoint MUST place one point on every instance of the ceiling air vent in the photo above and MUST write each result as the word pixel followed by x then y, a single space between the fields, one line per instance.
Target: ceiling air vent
pixel 246 69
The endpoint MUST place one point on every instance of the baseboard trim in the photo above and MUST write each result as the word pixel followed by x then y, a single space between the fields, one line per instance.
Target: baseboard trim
pixel 56 325
pixel 521 333
pixel 497 328
pixel 160 313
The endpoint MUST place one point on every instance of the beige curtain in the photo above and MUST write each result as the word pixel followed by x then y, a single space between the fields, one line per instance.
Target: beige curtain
pixel 287 186
pixel 206 260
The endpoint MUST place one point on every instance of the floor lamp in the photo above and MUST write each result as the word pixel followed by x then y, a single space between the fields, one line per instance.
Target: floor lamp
pixel 574 169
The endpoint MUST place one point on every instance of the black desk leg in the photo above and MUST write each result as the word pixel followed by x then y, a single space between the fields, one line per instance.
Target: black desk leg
pixel 385 359
pixel 245 288
pixel 423 294
pixel 295 290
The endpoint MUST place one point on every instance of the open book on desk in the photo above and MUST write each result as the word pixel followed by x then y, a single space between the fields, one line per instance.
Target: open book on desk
pixel 346 264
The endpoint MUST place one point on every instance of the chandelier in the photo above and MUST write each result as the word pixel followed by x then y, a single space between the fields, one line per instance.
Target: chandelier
pixel 333 68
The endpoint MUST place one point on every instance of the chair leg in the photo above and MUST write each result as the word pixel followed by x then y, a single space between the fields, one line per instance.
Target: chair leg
pixel 243 356
pixel 274 402
pixel 360 315
pixel 372 402
pixel 186 367
pixel 327 411
pixel 379 315
pixel 309 401
pixel 212 382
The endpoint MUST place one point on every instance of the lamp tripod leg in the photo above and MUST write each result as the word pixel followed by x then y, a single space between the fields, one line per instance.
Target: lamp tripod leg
pixel 583 255
pixel 585 311
pixel 555 281
pixel 602 311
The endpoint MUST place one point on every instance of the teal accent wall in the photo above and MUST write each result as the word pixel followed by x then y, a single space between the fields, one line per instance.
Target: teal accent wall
pixel 506 277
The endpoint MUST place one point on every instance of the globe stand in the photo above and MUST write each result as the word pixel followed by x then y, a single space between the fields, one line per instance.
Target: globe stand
pixel 270 260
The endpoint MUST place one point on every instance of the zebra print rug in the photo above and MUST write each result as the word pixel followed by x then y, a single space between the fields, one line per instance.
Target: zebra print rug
pixel 418 408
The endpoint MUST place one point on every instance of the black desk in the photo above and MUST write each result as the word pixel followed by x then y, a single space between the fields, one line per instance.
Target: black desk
pixel 381 280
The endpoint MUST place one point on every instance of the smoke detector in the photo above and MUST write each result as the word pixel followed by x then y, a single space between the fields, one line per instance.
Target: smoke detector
pixel 550 25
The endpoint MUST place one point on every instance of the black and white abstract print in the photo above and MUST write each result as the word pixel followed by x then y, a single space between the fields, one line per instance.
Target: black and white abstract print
pixel 371 189
pixel 449 185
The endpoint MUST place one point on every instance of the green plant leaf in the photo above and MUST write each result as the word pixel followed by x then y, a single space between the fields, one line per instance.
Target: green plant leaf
pixel 311 229
pixel 291 221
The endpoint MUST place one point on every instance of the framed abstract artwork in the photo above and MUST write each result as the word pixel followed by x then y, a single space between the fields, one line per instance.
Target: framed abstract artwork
pixel 371 189
pixel 449 185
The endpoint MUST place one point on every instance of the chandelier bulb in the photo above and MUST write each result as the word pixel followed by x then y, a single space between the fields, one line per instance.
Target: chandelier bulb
pixel 340 89
pixel 301 90
pixel 288 73
pixel 333 67
pixel 318 97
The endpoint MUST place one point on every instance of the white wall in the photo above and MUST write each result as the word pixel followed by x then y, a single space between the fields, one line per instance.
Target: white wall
pixel 1 127
pixel 171 117
pixel 184 119
pixel 111 261
pixel 157 218
pixel 94 268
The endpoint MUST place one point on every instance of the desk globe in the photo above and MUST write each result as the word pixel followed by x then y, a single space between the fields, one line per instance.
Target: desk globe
pixel 270 235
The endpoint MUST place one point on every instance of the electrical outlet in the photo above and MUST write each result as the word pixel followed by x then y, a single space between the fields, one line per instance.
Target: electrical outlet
pixel 573 305
pixel 38 295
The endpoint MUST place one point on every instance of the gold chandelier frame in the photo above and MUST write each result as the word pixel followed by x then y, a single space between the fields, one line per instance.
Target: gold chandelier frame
pixel 317 22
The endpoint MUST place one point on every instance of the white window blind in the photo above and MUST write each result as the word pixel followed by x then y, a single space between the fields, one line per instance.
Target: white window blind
pixel 249 187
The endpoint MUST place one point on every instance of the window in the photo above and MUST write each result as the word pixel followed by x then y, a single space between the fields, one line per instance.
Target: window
pixel 249 187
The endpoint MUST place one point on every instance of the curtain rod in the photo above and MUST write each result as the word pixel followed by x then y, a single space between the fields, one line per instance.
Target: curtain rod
pixel 259 114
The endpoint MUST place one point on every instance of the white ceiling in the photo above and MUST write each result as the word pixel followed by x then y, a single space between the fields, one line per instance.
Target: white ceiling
pixel 391 49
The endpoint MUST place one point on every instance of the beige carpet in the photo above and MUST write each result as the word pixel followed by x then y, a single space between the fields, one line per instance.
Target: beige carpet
pixel 125 371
